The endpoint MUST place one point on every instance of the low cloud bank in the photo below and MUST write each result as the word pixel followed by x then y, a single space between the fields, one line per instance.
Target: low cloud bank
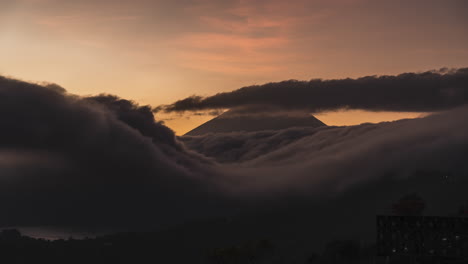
pixel 332 159
pixel 104 161
pixel 330 182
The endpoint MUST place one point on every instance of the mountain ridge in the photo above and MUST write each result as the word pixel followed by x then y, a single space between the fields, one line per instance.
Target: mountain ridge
pixel 250 120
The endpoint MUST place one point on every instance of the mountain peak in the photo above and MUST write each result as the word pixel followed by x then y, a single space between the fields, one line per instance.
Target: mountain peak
pixel 255 119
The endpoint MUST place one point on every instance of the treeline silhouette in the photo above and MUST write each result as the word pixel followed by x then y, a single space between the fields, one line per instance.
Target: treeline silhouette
pixel 149 248
pixel 212 241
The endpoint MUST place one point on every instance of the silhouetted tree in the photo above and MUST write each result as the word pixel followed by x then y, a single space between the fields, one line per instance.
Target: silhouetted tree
pixel 249 252
pixel 10 234
pixel 313 258
pixel 341 251
pixel 463 210
pixel 410 204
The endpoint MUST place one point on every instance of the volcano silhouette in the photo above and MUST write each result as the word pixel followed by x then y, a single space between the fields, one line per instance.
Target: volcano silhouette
pixel 255 119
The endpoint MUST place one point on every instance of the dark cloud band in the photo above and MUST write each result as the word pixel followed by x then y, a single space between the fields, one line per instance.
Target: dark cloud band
pixel 408 92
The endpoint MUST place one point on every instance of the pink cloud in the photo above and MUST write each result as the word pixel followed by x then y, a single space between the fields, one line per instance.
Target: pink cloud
pixel 219 41
pixel 241 62
pixel 246 36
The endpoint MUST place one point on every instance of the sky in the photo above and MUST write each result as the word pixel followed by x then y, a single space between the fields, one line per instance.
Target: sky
pixel 157 52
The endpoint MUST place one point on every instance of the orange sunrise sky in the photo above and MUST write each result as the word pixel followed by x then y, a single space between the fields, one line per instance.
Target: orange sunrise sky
pixel 156 52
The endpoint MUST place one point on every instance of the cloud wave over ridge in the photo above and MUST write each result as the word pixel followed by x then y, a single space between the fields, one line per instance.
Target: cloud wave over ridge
pixel 102 160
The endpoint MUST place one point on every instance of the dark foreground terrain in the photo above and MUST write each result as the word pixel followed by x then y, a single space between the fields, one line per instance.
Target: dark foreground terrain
pixel 174 247
pixel 159 248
